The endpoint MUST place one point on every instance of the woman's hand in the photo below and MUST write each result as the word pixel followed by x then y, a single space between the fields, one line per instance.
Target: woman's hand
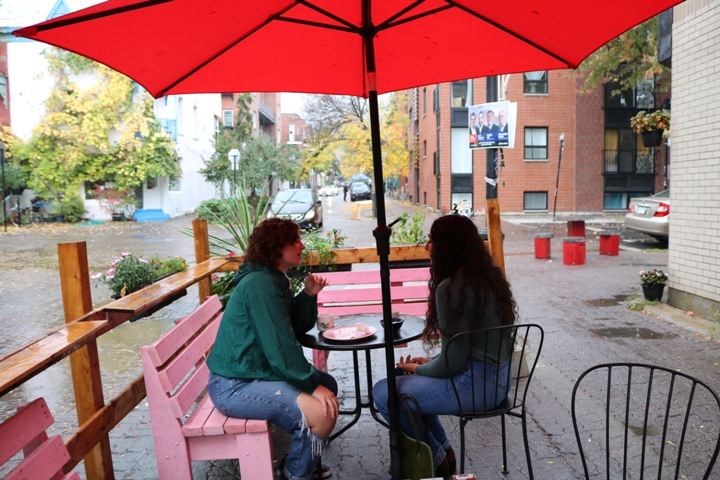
pixel 314 284
pixel 328 401
pixel 409 364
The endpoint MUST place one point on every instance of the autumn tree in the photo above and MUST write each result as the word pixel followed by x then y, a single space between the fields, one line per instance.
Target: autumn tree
pixel 626 60
pixel 342 138
pixel 107 131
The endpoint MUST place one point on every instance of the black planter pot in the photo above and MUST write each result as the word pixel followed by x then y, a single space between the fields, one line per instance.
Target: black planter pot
pixel 653 138
pixel 118 217
pixel 653 293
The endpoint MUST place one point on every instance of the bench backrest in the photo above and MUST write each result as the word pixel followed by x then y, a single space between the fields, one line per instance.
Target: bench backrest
pixel 177 358
pixel 44 457
pixel 359 292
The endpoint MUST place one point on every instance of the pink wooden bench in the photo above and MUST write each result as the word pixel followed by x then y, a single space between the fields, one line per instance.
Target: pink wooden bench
pixel 359 292
pixel 44 457
pixel 175 377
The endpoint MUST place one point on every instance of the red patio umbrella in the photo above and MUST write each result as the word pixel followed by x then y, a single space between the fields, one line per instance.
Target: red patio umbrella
pixel 348 47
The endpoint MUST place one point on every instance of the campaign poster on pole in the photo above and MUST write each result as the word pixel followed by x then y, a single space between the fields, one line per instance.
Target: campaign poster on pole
pixel 492 125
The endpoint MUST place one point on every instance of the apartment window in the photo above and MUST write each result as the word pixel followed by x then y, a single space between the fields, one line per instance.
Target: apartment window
pixel 424 101
pixel 424 148
pixel 461 155
pixel 536 143
pixel 228 118
pixel 151 183
pixel 424 198
pixel 535 83
pixel 535 201
pixel 291 132
pixel 461 93
pixel 174 185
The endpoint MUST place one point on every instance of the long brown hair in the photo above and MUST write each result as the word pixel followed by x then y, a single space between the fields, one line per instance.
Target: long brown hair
pixel 458 248
pixel 266 242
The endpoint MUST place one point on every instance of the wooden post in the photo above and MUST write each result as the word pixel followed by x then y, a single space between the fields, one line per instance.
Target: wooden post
pixel 84 363
pixel 202 253
pixel 492 214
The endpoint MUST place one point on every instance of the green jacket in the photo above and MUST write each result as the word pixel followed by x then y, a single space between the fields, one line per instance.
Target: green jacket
pixel 257 335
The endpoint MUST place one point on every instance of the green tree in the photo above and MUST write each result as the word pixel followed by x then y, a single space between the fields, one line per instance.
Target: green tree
pixel 259 156
pixel 627 59
pixel 104 132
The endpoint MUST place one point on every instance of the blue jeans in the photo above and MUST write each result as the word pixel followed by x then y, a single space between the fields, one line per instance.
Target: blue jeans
pixel 436 396
pixel 276 402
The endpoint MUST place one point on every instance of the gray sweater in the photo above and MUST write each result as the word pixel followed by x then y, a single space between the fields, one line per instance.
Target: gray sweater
pixel 471 346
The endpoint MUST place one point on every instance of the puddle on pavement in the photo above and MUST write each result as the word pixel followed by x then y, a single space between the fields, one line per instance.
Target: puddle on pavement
pixel 629 332
pixel 606 302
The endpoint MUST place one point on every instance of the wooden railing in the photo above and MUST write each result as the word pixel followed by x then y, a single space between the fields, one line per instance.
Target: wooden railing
pixel 77 339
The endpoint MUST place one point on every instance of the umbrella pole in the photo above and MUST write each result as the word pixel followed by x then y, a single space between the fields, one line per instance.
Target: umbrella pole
pixel 382 239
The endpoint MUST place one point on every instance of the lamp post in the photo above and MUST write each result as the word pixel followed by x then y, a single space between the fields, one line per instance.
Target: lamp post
pixel 2 165
pixel 233 156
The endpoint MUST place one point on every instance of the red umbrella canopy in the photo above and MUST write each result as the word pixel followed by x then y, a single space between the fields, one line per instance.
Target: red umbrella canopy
pixel 318 46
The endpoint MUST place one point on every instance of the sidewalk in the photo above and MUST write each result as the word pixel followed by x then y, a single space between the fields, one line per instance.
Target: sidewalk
pixel 576 305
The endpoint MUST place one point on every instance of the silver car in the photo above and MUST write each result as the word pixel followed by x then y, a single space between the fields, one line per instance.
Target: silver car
pixel 650 215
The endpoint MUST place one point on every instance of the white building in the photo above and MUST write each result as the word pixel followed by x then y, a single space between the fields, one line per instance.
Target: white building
pixel 190 119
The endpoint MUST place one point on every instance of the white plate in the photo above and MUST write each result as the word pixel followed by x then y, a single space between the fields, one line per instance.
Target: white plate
pixel 348 334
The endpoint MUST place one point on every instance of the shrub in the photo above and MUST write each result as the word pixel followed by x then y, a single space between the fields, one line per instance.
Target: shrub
pixel 71 208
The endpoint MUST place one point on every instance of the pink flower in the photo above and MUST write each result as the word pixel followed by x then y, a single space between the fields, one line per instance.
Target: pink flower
pixel 125 254
pixel 110 275
pixel 142 260
pixel 231 254
pixel 95 275
pixel 111 271
pixel 215 277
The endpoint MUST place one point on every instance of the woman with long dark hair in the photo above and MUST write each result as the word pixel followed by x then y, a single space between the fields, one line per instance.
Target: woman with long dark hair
pixel 258 369
pixel 467 292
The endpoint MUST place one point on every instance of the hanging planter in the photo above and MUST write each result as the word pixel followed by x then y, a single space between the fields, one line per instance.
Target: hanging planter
pixel 653 138
pixel 651 126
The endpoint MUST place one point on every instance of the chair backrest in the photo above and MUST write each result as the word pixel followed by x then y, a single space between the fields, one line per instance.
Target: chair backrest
pixel 643 421
pixel 517 349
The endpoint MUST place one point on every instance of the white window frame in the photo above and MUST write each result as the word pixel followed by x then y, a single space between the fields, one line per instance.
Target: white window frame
pixel 228 118
pixel 535 146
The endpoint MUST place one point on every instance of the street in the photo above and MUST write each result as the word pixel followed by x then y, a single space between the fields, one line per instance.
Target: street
pixel 583 310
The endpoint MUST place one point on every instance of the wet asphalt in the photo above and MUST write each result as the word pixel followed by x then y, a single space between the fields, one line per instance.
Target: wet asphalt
pixel 582 308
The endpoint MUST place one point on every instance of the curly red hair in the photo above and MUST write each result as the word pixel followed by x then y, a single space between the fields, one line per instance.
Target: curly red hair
pixel 268 239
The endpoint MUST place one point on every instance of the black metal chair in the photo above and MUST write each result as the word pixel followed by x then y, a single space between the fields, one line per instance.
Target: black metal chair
pixel 514 344
pixel 640 421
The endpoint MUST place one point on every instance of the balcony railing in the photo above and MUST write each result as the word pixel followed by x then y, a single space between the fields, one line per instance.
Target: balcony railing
pixel 628 161
pixel 266 112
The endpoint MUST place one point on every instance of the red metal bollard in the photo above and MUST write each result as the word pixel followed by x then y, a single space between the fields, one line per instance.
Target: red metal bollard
pixel 576 228
pixel 542 245
pixel 609 242
pixel 574 251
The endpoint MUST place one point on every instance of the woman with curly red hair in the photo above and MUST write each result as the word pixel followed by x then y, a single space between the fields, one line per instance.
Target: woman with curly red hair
pixel 258 369
pixel 467 292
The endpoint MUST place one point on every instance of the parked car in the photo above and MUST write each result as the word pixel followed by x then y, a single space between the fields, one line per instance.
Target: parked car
pixel 359 191
pixel 328 190
pixel 650 215
pixel 299 205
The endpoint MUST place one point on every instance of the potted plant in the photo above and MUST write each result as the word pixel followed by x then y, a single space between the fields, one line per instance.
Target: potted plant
pixel 651 126
pixel 653 284
pixel 118 203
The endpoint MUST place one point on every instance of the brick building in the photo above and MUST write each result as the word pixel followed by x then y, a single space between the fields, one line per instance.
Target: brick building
pixel 265 108
pixel 294 130
pixel 604 163
pixel 694 253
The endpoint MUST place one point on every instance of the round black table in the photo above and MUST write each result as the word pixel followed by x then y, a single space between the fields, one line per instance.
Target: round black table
pixel 411 329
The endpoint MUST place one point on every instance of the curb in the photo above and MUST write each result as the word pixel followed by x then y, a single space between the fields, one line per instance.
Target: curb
pixel 686 320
